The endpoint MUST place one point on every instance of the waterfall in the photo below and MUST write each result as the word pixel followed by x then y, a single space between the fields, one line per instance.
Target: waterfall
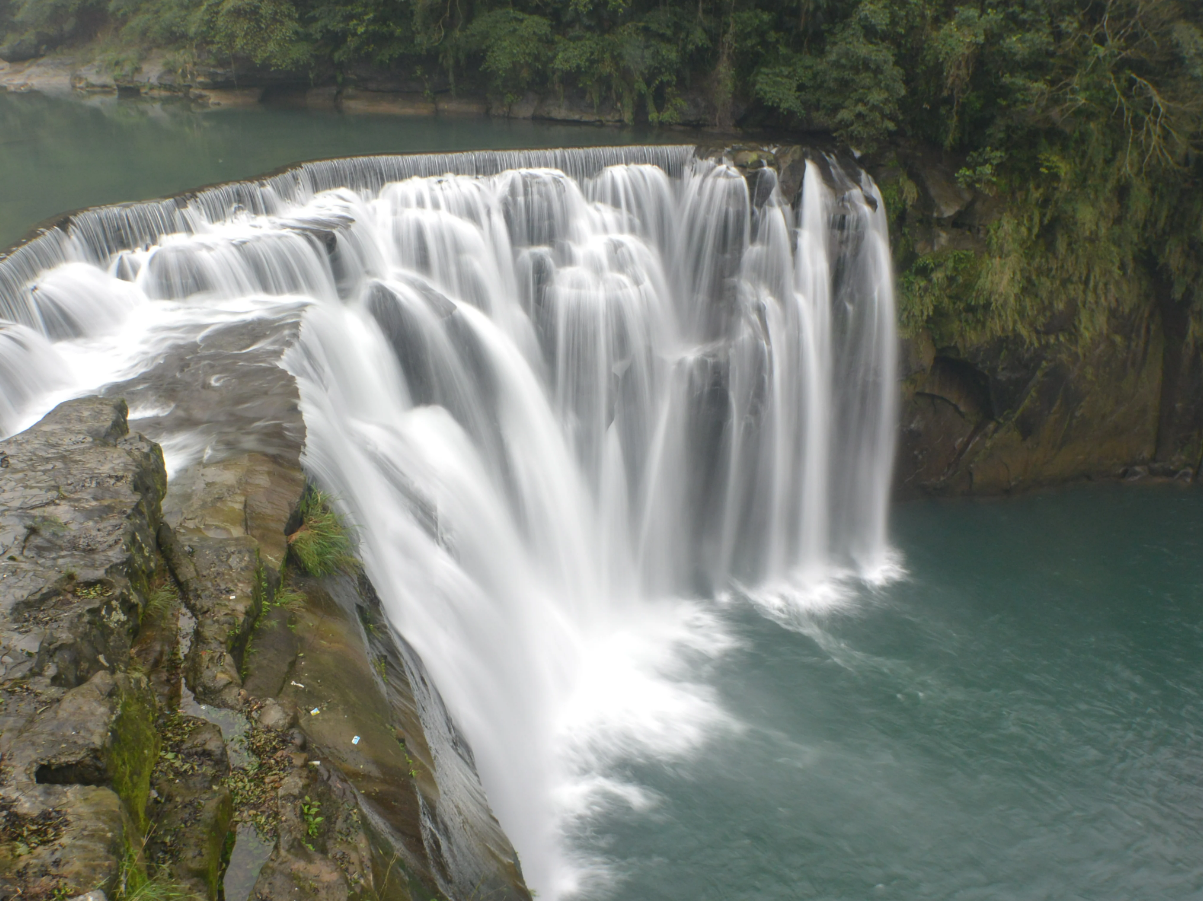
pixel 568 399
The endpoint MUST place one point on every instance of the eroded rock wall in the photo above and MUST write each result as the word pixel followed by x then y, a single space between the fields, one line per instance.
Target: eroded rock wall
pixel 1016 409
pixel 79 509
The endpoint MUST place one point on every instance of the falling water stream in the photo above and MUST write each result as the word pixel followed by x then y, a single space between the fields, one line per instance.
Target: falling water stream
pixel 569 399
pixel 615 429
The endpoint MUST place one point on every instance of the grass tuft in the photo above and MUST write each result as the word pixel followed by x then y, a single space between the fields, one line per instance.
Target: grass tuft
pixel 160 600
pixel 322 545
pixel 159 890
pixel 289 599
pixel 133 884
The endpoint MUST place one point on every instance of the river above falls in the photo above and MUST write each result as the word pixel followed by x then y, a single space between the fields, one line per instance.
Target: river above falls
pixel 59 154
pixel 1017 717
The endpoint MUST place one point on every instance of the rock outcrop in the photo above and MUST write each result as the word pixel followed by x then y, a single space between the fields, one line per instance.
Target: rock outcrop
pixel 79 508
pixel 162 658
pixel 1005 416
pixel 1009 412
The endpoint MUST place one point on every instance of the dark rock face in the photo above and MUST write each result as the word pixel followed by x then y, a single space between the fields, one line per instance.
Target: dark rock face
pixel 1006 418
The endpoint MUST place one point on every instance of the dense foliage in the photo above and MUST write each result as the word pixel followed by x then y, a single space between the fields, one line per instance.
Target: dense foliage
pixel 1085 116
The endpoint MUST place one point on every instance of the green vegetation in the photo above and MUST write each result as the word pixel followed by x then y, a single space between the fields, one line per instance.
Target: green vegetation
pixel 1082 118
pixel 312 812
pixel 288 599
pixel 409 761
pixel 93 591
pixel 161 600
pixel 134 884
pixel 135 748
pixel 154 889
pixel 322 545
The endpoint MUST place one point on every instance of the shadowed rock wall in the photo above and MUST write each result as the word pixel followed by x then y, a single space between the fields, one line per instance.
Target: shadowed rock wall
pixel 1010 412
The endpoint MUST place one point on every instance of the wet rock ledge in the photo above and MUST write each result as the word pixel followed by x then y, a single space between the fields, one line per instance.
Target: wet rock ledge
pixel 185 712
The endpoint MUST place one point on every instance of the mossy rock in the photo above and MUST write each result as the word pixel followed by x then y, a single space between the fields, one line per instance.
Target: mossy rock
pixel 135 746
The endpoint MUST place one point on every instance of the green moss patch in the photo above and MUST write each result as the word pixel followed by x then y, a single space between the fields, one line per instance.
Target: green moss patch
pixel 134 749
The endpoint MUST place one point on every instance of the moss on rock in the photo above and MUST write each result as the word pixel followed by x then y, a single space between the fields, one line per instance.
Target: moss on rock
pixel 135 746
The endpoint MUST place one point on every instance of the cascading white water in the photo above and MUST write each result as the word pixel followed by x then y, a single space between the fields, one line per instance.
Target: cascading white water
pixel 558 395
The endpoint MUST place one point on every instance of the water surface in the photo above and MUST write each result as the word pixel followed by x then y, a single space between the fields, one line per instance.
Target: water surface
pixel 60 154
pixel 1017 719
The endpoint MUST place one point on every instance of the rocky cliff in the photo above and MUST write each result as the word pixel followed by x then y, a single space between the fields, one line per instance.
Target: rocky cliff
pixel 183 707
pixel 1078 389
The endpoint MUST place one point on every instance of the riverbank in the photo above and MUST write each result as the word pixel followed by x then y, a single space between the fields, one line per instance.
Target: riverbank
pixel 85 73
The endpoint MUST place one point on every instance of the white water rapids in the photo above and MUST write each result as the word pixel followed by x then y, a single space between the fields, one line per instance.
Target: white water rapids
pixel 568 399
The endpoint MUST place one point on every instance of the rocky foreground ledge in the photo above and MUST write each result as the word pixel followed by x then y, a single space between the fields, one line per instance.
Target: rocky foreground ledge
pixel 184 711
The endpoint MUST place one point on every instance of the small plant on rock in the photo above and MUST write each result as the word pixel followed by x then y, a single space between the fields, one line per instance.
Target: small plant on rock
pixel 134 884
pixel 313 819
pixel 322 545
pixel 289 599
pixel 160 600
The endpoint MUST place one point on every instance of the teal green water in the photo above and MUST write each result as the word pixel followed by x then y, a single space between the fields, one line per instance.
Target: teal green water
pixel 59 154
pixel 1019 719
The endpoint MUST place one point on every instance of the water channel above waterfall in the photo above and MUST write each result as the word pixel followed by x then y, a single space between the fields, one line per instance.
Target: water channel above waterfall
pixel 702 696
